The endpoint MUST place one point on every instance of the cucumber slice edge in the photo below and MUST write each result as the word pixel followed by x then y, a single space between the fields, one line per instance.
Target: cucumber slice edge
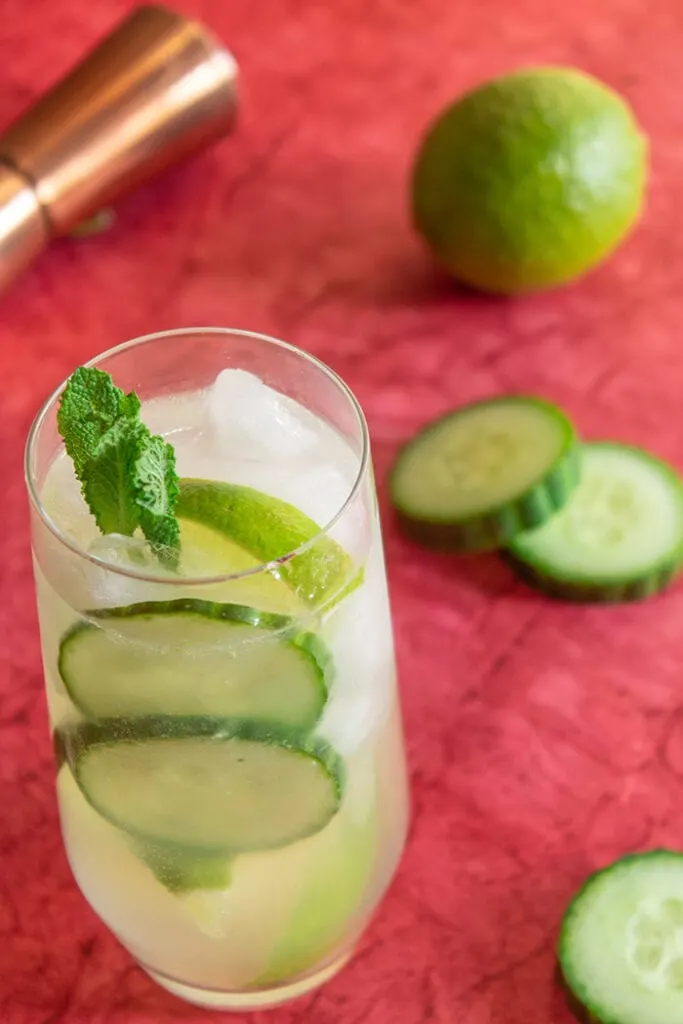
pixel 219 611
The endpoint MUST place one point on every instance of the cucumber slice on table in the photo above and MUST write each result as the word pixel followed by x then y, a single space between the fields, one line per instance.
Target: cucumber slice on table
pixel 270 529
pixel 621 943
pixel 204 787
pixel 479 475
pixel 620 536
pixel 192 657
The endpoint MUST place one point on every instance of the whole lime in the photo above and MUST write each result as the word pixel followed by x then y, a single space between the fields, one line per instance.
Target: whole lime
pixel 529 180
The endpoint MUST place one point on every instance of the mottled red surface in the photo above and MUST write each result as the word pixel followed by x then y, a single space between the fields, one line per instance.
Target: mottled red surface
pixel 543 739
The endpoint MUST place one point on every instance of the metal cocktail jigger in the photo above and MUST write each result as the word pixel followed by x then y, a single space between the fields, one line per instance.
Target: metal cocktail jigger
pixel 155 90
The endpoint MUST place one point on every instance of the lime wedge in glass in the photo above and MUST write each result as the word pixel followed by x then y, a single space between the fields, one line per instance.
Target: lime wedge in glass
pixel 267 529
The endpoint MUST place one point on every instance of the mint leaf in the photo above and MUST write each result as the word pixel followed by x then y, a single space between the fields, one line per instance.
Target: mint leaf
pixel 127 474
pixel 90 404
pixel 108 488
pixel 155 484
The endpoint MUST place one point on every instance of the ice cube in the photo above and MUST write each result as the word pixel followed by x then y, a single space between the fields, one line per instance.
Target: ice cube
pixel 359 636
pixel 350 716
pixel 322 484
pixel 317 488
pixel 134 556
pixel 62 499
pixel 130 553
pixel 245 413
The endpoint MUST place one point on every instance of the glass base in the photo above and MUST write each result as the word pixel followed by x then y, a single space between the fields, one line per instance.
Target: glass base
pixel 236 1002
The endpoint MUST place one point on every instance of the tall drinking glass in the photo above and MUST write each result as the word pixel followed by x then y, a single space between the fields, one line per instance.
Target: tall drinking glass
pixel 230 767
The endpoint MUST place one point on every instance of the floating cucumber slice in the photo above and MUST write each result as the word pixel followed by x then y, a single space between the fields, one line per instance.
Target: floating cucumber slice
pixel 620 536
pixel 269 529
pixel 621 942
pixel 208 786
pixel 192 657
pixel 478 476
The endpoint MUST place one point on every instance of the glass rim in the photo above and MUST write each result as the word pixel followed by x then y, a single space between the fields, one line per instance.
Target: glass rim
pixel 150 577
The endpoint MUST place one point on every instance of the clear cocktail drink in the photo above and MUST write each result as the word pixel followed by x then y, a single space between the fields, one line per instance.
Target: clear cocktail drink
pixel 231 774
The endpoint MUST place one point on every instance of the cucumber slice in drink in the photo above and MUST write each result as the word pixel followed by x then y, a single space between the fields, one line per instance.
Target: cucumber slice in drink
pixel 205 787
pixel 620 536
pixel 270 529
pixel 478 476
pixel 621 943
pixel 192 657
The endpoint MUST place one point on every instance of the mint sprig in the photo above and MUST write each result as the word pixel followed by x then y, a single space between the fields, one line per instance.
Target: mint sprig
pixel 155 483
pixel 127 474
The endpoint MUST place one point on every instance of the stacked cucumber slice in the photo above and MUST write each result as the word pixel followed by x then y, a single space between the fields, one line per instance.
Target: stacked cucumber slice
pixel 195 736
pixel 593 521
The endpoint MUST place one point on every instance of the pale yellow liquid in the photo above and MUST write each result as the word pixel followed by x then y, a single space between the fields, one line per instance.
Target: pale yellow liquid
pixel 290 916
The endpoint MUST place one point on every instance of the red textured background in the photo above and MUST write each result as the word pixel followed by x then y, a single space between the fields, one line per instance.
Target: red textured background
pixel 543 739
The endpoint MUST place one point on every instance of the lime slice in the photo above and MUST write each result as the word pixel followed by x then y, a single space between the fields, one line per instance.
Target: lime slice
pixel 207 552
pixel 183 872
pixel 333 895
pixel 269 529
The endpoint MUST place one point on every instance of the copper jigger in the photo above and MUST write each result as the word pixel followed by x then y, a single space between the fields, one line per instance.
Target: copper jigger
pixel 155 90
